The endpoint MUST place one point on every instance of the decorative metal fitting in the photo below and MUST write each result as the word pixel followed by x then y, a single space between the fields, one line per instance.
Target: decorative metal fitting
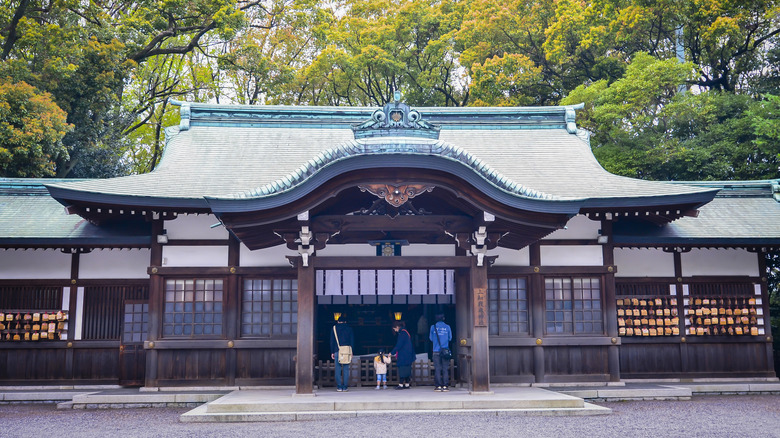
pixel 538 341
pixel 230 344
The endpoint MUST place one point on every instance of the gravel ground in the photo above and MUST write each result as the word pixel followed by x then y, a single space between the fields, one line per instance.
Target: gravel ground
pixel 707 416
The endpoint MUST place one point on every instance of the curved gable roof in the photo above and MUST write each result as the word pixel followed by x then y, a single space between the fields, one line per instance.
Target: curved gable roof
pixel 243 158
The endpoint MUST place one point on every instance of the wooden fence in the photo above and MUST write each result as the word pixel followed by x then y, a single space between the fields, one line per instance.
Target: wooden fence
pixel 361 373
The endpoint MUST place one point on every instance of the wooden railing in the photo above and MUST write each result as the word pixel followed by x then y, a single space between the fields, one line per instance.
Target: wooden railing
pixel 361 373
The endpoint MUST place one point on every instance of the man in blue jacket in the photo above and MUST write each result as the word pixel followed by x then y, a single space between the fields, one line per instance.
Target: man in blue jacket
pixel 440 336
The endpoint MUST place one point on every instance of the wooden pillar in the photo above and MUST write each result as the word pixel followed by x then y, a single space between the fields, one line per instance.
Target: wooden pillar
pixel 304 365
pixel 232 309
pixel 537 311
pixel 762 270
pixel 463 323
pixel 72 305
pixel 156 291
pixel 480 359
pixel 681 311
pixel 610 303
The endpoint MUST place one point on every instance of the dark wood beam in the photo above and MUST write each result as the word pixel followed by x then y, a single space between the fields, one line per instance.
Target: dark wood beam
pixel 452 224
pixel 447 262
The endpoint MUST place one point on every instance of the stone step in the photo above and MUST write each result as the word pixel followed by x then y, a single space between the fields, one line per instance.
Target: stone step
pixel 655 392
pixel 44 396
pixel 200 414
pixel 284 405
pixel 732 388
pixel 363 399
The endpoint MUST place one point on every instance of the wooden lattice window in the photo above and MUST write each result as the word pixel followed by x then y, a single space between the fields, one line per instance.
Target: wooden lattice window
pixel 136 324
pixel 508 306
pixel 193 307
pixel 573 306
pixel 269 307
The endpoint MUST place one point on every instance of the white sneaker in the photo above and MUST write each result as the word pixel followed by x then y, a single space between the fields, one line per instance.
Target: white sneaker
pixel 377 387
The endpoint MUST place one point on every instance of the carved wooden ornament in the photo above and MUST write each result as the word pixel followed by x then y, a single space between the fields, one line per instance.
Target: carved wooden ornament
pixel 396 195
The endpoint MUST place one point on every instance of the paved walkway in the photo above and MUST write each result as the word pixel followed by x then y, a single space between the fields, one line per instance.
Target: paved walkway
pixel 711 416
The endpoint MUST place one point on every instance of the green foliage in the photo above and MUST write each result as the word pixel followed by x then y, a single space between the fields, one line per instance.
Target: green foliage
pixel 112 66
pixel 31 130
pixel 644 127
pixel 374 50
pixel 84 54
pixel 508 80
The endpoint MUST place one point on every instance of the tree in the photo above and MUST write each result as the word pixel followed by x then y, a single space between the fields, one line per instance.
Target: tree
pixel 31 131
pixel 376 48
pixel 500 43
pixel 644 127
pixel 83 53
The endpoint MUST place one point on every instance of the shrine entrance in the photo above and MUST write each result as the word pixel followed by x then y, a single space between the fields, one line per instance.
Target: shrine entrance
pixel 371 301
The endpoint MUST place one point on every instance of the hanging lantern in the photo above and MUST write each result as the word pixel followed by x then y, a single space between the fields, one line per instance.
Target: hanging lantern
pixel 397 315
pixel 336 316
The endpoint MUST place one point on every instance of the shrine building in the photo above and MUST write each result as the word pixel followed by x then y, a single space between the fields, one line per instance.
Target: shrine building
pixel 226 264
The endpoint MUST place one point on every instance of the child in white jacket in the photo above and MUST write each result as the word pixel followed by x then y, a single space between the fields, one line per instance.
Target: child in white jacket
pixel 380 365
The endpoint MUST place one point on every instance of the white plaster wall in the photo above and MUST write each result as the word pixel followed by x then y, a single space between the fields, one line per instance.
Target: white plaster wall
pixel 195 226
pixel 195 256
pixel 114 263
pixel 719 262
pixel 570 255
pixel 270 257
pixel 643 262
pixel 352 249
pixel 427 250
pixel 511 257
pixel 578 227
pixel 29 264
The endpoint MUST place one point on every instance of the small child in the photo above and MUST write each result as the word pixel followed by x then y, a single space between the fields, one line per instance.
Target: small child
pixel 380 365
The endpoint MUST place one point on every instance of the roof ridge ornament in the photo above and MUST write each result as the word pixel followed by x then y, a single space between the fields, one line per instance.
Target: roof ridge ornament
pixel 396 119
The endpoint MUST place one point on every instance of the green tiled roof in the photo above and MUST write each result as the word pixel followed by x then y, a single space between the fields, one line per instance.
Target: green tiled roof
pixel 532 157
pixel 29 216
pixel 743 213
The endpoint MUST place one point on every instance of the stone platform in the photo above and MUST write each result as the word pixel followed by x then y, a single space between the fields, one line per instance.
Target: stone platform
pixel 283 405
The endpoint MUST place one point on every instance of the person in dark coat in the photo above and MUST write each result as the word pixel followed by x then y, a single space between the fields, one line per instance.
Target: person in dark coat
pixel 404 353
pixel 345 337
